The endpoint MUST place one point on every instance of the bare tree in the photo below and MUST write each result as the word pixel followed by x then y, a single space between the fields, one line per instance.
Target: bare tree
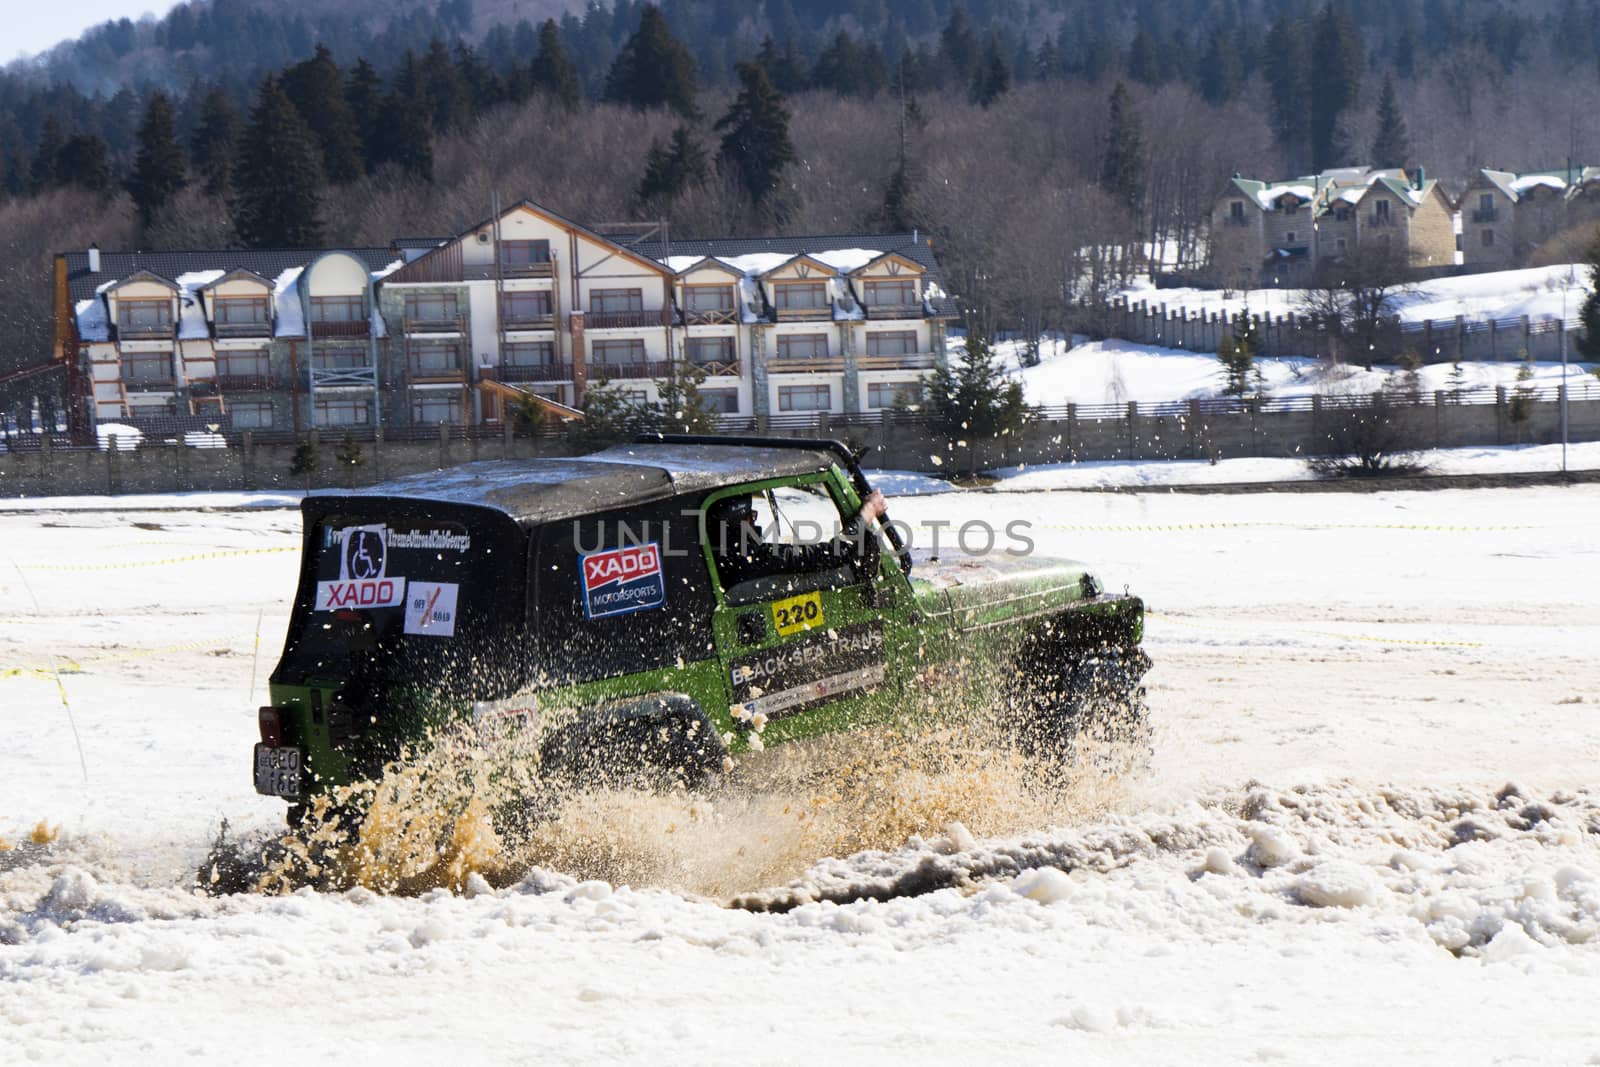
pixel 1353 303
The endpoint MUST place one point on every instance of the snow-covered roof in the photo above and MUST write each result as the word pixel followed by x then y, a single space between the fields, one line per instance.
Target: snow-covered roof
pixel 286 299
pixel 1270 196
pixel 93 325
pixel 1525 182
pixel 192 324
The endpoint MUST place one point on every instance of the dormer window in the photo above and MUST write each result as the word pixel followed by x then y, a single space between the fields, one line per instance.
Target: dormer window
pixel 799 295
pixel 708 297
pixel 896 293
pixel 144 314
pixel 241 310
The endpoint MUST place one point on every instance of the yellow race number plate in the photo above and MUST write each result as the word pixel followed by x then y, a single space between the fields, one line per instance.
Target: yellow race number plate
pixel 798 614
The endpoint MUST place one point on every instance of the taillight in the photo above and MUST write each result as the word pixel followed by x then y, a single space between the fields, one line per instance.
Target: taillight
pixel 271 720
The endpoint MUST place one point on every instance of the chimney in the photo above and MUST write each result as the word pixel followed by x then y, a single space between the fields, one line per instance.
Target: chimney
pixel 1421 177
pixel 94 259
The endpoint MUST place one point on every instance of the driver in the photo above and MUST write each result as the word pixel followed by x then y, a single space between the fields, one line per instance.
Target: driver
pixel 742 553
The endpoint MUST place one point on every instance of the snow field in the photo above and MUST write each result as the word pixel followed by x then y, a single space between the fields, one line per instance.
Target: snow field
pixel 1368 832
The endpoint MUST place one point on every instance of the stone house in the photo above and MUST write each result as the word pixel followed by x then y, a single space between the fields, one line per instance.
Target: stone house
pixel 1507 217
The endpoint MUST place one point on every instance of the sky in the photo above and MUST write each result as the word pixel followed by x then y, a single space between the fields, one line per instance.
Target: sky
pixel 33 27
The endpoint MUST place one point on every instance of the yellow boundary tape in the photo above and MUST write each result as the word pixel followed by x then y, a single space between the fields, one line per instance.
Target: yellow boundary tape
pixel 1309 527
pixel 155 562
pixel 1372 638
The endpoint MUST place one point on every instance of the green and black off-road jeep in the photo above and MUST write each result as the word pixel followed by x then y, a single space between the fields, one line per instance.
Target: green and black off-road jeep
pixel 598 600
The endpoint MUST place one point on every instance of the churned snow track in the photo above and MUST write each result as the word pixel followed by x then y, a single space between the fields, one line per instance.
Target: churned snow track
pixel 1324 861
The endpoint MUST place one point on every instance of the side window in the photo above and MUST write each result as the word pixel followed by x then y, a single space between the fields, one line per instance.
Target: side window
pixel 777 541
pixel 620 592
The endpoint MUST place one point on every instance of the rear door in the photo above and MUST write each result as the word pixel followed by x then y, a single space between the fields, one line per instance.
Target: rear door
pixel 804 647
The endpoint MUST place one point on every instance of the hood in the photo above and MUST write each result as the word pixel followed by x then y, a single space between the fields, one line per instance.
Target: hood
pixel 979 590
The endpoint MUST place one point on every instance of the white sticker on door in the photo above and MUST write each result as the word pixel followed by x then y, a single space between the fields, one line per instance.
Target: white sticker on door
pixel 431 609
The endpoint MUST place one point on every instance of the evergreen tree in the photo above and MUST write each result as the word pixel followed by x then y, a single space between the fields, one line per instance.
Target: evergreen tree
pixel 407 140
pixel 756 138
pixel 1589 313
pixel 1289 83
pixel 484 86
pixel 681 407
pixel 1122 168
pixel 897 199
pixel 443 89
pixel 785 69
pixel 316 88
pixel 159 170
pixel 974 401
pixel 1336 74
pixel 216 143
pixel 958 46
pixel 654 69
pixel 848 69
pixel 84 161
pixel 1220 71
pixel 670 169
pixel 1143 65
pixel 363 94
pixel 1237 354
pixel 552 71
pixel 992 79
pixel 279 176
pixel 1391 146
pixel 43 174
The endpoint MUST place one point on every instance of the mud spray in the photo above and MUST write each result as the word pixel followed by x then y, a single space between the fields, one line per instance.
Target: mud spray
pixel 465 804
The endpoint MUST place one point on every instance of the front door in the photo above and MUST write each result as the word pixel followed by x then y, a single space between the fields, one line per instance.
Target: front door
pixel 799 622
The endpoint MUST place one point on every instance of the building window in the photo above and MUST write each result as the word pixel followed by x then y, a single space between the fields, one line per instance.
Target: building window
pixel 1486 202
pixel 803 346
pixel 250 415
pixel 1341 245
pixel 526 306
pixel 892 343
pixel 709 350
pixel 339 359
pixel 341 411
pixel 144 314
pixel 243 363
pixel 435 407
pixel 892 394
pixel 1380 209
pixel 804 397
pixel 530 354
pixel 241 310
pixel 1488 238
pixel 1236 210
pixel 524 253
pixel 800 295
pixel 1289 237
pixel 721 401
pixel 431 306
pixel 336 309
pixel 147 367
pixel 625 353
pixel 891 294
pixel 708 298
pixel 604 300
pixel 435 357
pixel 1341 213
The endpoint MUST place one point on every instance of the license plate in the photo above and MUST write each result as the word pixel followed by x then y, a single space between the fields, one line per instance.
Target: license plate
pixel 278 771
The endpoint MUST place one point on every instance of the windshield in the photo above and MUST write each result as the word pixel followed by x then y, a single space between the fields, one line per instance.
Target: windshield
pixel 395 594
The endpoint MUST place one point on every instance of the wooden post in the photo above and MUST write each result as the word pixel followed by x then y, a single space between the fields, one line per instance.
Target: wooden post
pixel 1133 429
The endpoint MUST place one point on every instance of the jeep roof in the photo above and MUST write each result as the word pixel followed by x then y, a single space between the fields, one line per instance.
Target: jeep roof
pixel 545 490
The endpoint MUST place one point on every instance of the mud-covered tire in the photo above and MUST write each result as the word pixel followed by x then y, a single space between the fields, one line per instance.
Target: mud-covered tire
pixel 657 743
pixel 1078 700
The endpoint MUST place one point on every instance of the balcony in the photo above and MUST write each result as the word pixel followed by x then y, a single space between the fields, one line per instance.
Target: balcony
pixel 894 311
pixel 1380 220
pixel 627 320
pixel 546 269
pixel 423 372
pixel 712 368
pixel 1236 220
pixel 805 314
pixel 615 371
pixel 144 331
pixel 528 321
pixel 531 372
pixel 902 361
pixel 711 317
pixel 223 331
pixel 804 364
pixel 145 383
pixel 245 383
pixel 344 328
pixel 435 325
pixel 1485 214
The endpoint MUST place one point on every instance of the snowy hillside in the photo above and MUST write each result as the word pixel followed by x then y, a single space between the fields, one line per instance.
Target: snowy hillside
pixel 1369 832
